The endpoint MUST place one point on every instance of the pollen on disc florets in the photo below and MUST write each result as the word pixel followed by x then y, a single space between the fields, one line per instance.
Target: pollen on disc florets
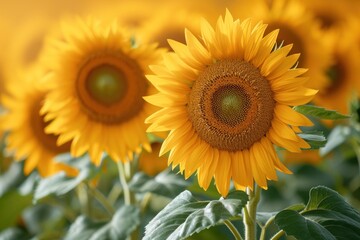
pixel 231 105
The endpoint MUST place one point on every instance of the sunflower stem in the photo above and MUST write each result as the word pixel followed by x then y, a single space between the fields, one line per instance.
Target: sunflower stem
pixel 278 235
pixel 102 200
pixel 83 199
pixel 267 224
pixel 250 213
pixel 233 230
pixel 124 177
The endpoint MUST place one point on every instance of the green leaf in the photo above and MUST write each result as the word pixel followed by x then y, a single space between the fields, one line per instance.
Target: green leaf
pixel 14 234
pixel 83 228
pixel 337 137
pixel 263 217
pixel 325 198
pixel 301 228
pixel 59 184
pixel 316 139
pixel 185 216
pixel 11 206
pixel 326 216
pixel 11 178
pixel 319 112
pixel 124 222
pixel 165 183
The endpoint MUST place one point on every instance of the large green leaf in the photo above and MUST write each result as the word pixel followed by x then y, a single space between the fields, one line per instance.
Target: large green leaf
pixel 296 225
pixel 59 184
pixel 124 222
pixel 319 112
pixel 185 215
pixel 165 183
pixel 326 216
pixel 83 228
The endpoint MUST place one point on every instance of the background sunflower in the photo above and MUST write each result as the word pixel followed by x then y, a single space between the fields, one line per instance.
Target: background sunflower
pixel 27 138
pixel 97 77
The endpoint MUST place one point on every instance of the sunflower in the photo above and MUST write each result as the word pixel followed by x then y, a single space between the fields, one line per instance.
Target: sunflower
pixel 300 28
pixel 225 100
pixel 333 14
pixel 343 75
pixel 26 138
pixel 159 28
pixel 97 83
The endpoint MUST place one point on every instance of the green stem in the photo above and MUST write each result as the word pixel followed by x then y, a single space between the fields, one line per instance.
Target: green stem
pixel 233 230
pixel 102 200
pixel 145 202
pixel 278 235
pixel 263 229
pixel 83 199
pixel 123 176
pixel 250 213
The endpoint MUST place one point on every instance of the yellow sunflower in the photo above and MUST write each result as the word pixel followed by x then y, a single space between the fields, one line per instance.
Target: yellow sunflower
pixel 226 99
pixel 300 28
pixel 97 83
pixel 26 138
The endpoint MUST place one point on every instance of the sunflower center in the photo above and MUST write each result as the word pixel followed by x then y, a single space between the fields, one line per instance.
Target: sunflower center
pixel 38 126
pixel 231 105
pixel 106 84
pixel 110 88
pixel 327 20
pixel 288 36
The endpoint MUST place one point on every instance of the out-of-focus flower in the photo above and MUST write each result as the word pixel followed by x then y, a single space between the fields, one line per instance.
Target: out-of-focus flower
pixel 343 75
pixel 333 14
pixel 97 84
pixel 309 156
pixel 299 27
pixel 226 100
pixel 27 139
pixel 169 23
pixel 150 162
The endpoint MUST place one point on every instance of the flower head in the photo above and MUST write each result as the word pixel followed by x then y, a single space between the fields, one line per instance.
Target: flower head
pixel 97 83
pixel 27 138
pixel 225 100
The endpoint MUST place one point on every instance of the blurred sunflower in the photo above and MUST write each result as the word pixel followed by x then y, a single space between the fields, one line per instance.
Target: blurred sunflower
pixel 310 156
pixel 343 75
pixel 226 100
pixel 26 138
pixel 97 83
pixel 159 28
pixel 150 162
pixel 333 14
pixel 298 27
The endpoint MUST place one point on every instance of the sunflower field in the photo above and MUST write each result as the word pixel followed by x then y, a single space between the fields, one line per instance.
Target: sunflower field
pixel 167 120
